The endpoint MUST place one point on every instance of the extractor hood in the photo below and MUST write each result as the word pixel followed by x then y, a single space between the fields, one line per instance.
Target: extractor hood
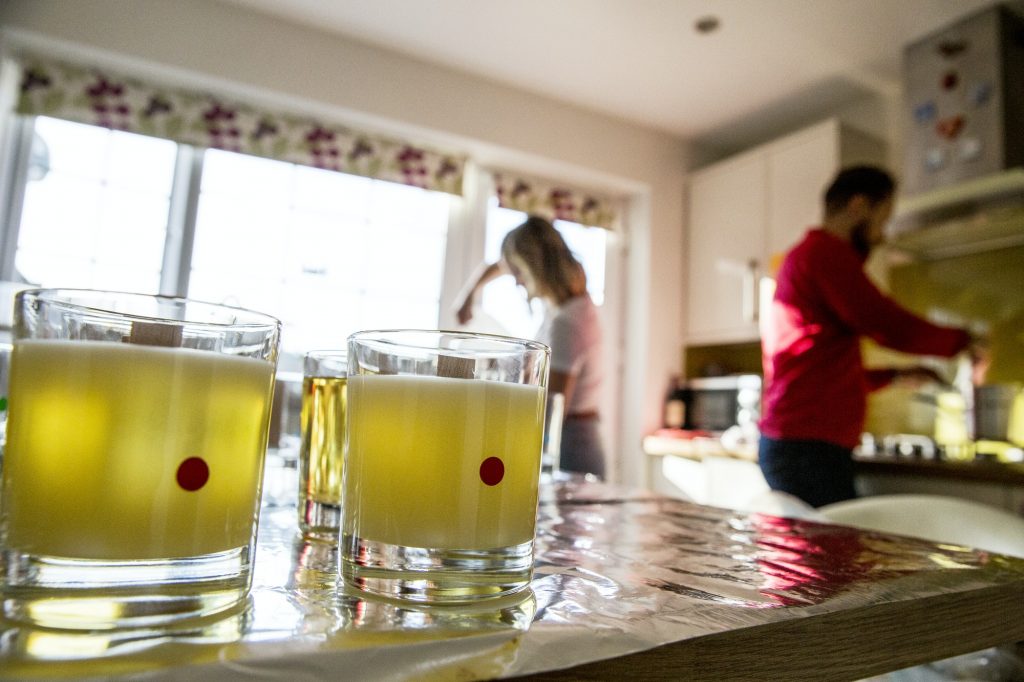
pixel 968 217
pixel 963 123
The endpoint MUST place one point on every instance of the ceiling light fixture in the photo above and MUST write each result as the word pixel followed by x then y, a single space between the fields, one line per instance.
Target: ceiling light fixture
pixel 708 24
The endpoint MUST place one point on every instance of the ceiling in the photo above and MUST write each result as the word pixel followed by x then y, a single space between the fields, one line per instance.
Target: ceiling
pixel 770 62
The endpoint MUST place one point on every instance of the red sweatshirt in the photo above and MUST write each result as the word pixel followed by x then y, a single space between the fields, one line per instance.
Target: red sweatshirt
pixel 815 384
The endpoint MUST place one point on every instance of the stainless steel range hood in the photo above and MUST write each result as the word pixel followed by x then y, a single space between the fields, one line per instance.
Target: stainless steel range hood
pixel 963 113
pixel 972 216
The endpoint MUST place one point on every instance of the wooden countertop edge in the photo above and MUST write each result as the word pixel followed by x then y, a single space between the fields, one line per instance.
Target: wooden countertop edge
pixel 845 645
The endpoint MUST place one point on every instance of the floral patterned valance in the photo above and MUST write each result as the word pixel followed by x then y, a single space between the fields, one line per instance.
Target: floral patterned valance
pixel 85 95
pixel 555 201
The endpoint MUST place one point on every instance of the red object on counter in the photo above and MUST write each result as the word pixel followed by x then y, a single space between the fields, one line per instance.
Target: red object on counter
pixel 683 434
pixel 815 383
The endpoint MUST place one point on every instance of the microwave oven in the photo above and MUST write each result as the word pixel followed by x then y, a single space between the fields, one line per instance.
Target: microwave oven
pixel 718 403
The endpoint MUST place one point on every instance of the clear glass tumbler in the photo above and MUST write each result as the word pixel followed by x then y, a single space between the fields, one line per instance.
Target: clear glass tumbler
pixel 323 442
pixel 442 464
pixel 135 447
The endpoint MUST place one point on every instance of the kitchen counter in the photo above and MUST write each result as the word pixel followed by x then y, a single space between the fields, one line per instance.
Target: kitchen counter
pixel 974 470
pixel 700 448
pixel 702 469
pixel 999 484
pixel 697 447
pixel 628 584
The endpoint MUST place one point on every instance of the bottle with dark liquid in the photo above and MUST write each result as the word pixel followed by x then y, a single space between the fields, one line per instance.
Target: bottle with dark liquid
pixel 675 404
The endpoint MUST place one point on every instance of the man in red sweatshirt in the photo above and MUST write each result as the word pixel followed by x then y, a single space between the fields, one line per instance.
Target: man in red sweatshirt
pixel 816 386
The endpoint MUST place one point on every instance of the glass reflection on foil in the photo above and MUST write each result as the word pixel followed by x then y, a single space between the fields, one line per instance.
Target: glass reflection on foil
pixel 312 586
pixel 513 613
pixel 34 652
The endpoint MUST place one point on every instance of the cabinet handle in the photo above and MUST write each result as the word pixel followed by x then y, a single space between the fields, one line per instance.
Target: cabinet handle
pixel 751 304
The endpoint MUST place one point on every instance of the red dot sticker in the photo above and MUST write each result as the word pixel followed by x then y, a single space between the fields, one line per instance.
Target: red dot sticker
pixel 492 470
pixel 193 473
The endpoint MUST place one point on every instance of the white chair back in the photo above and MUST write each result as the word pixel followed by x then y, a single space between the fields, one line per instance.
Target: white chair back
pixel 938 518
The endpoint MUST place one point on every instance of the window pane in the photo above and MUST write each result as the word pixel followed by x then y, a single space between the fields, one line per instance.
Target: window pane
pixel 506 303
pixel 75 149
pixel 257 181
pixel 331 192
pixel 325 252
pixel 98 215
pixel 136 162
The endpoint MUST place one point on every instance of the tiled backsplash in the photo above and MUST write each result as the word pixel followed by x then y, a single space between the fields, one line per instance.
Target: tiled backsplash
pixel 983 290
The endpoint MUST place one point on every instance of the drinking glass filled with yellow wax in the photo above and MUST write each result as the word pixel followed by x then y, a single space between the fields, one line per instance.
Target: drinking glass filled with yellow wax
pixel 442 464
pixel 100 447
pixel 459 472
pixel 323 442
pixel 137 431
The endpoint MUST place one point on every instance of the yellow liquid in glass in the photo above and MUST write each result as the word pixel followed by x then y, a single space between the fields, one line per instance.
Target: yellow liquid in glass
pixel 413 468
pixel 97 434
pixel 323 438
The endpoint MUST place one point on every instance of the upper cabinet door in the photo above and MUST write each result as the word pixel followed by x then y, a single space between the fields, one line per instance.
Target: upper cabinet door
pixel 799 169
pixel 746 212
pixel 726 247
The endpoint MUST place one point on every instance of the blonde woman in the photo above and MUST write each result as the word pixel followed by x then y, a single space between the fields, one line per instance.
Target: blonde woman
pixel 542 264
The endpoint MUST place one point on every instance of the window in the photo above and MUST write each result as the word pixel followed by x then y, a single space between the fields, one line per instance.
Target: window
pixel 504 305
pixel 325 252
pixel 96 216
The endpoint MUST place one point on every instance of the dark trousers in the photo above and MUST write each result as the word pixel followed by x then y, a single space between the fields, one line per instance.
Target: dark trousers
pixel 817 472
pixel 582 451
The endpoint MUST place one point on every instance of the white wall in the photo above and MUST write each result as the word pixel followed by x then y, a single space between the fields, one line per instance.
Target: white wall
pixel 876 113
pixel 256 56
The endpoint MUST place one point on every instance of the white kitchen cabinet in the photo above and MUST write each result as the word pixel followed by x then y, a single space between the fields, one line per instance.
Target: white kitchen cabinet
pixel 727 207
pixel 745 212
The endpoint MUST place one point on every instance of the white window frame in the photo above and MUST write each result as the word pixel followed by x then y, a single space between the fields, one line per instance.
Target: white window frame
pixel 181 221
pixel 17 143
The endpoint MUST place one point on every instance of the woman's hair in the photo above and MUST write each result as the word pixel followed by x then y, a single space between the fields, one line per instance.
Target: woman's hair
pixel 549 259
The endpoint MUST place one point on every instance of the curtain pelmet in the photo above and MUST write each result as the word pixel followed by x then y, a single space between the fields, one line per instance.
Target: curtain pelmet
pixel 555 201
pixel 99 97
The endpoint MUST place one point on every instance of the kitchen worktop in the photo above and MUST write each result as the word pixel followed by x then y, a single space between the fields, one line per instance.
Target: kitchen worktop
pixel 988 470
pixel 704 470
pixel 1011 473
pixel 697 447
